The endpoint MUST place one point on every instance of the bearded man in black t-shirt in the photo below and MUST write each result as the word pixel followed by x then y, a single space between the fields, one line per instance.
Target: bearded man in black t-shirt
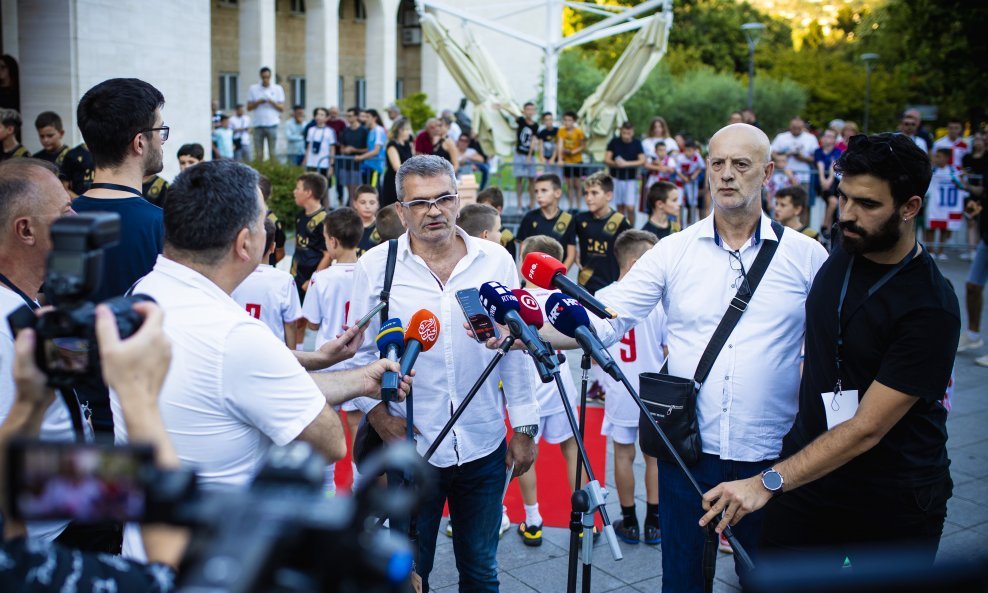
pixel 865 462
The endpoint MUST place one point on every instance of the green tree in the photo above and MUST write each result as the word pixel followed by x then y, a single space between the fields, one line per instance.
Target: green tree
pixel 416 108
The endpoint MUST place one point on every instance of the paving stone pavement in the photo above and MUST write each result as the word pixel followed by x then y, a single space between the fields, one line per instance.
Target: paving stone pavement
pixel 543 569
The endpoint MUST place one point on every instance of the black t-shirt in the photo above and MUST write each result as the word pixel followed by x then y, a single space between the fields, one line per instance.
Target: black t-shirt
pixel 596 236
pixel 548 138
pixel 77 168
pixel 508 242
pixel 155 190
pixel 279 235
pixel 560 227
pixel 629 151
pixel 905 337
pixel 658 231
pixel 142 235
pixel 54 158
pixel 17 152
pixel 354 137
pixel 370 239
pixel 309 244
pixel 524 134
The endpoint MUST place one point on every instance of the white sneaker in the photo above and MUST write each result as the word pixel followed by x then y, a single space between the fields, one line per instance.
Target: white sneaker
pixel 943 257
pixel 505 523
pixel 982 362
pixel 968 343
pixel 967 256
pixel 449 529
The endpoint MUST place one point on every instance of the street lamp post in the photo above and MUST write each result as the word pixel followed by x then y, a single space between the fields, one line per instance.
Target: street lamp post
pixel 752 33
pixel 869 61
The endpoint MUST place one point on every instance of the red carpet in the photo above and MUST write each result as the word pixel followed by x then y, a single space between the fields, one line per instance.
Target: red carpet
pixel 554 492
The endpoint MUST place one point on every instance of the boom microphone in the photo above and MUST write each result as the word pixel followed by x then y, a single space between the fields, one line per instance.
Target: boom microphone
pixel 545 271
pixel 570 319
pixel 423 331
pixel 391 343
pixel 504 307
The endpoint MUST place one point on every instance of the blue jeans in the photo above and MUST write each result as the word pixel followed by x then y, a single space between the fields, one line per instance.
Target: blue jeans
pixel 474 494
pixel 680 510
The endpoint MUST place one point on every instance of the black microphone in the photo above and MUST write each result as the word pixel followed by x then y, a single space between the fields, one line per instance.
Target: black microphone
pixel 545 271
pixel 503 306
pixel 391 343
pixel 423 331
pixel 570 319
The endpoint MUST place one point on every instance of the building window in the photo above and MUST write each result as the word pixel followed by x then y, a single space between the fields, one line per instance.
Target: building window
pixel 400 89
pixel 298 6
pixel 361 95
pixel 297 84
pixel 228 89
pixel 359 10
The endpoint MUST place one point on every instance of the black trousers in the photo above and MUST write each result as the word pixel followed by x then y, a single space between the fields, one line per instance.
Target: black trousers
pixel 848 520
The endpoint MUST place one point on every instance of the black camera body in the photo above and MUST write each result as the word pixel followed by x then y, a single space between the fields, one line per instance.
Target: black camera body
pixel 66 348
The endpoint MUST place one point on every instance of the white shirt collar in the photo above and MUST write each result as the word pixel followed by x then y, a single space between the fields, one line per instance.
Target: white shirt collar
pixel 708 230
pixel 187 275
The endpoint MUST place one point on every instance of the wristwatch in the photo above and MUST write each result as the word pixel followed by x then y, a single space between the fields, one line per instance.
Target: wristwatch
pixel 772 481
pixel 528 429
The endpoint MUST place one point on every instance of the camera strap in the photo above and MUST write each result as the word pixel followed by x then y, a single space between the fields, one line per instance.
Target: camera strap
pixel 69 396
pixel 117 187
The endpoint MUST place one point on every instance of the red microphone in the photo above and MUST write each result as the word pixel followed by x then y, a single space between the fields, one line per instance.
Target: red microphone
pixel 529 308
pixel 422 334
pixel 545 271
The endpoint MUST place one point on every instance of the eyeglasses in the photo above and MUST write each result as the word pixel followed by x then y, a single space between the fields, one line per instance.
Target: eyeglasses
pixel 741 282
pixel 421 206
pixel 163 129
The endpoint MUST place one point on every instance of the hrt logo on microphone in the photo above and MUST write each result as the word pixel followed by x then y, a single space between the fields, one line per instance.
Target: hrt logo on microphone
pixel 553 314
pixel 429 330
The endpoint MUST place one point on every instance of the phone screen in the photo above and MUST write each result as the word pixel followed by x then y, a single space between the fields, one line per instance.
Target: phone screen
pixel 84 482
pixel 482 325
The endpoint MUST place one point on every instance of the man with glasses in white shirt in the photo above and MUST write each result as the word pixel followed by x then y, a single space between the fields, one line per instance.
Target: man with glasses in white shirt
pixel 436 259
pixel 748 401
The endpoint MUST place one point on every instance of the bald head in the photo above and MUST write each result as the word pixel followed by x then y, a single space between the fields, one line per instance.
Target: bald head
pixel 746 136
pixel 26 189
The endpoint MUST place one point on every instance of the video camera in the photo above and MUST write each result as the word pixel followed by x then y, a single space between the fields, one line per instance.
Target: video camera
pixel 66 348
pixel 281 534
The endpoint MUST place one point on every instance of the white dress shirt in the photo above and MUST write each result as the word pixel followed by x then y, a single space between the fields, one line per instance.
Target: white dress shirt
pixel 265 114
pixel 445 373
pixel 749 400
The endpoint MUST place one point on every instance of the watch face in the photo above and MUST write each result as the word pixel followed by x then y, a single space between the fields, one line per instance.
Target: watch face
pixel 772 480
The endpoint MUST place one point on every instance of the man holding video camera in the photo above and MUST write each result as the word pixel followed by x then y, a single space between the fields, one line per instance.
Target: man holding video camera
pixel 234 388
pixel 31 198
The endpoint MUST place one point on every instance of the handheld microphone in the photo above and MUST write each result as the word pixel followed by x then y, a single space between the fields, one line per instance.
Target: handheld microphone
pixel 504 307
pixel 570 319
pixel 391 343
pixel 422 333
pixel 545 271
pixel 531 314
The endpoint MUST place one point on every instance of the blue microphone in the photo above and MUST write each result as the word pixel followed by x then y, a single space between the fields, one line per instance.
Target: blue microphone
pixel 391 344
pixel 568 316
pixel 503 306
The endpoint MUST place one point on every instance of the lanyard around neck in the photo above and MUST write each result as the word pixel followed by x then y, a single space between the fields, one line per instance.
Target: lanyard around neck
pixel 871 291
pixel 117 187
pixel 27 300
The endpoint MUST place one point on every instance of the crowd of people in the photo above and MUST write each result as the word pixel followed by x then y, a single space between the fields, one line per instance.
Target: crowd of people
pixel 832 387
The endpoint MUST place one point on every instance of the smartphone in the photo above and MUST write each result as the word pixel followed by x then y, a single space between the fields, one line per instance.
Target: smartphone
pixel 370 315
pixel 82 482
pixel 480 322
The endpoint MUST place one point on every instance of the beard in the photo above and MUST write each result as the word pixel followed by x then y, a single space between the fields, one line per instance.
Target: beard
pixel 154 162
pixel 883 239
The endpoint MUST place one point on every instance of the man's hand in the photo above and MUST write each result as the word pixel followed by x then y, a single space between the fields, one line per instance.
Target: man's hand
pixel 390 428
pixel 32 388
pixel 135 367
pixel 495 343
pixel 344 346
pixel 372 374
pixel 522 452
pixel 736 499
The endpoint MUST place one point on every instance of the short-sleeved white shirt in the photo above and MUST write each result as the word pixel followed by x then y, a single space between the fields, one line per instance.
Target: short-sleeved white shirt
pixel 241 122
pixel 322 139
pixel 328 300
pixel 638 351
pixel 265 114
pixel 804 144
pixel 269 294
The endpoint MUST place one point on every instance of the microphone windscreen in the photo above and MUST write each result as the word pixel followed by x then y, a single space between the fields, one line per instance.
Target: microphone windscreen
pixel 391 334
pixel 497 300
pixel 529 308
pixel 540 268
pixel 565 314
pixel 424 328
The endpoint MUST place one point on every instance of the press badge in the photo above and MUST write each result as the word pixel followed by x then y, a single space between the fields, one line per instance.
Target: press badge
pixel 839 406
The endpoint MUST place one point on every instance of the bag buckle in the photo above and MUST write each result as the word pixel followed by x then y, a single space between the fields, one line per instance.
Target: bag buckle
pixel 665 410
pixel 739 304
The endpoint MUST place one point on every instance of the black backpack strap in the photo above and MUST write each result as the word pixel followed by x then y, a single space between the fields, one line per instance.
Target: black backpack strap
pixel 389 272
pixel 737 307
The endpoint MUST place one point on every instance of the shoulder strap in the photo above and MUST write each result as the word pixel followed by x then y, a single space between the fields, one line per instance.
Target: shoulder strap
pixel 613 223
pixel 562 223
pixel 389 272
pixel 737 307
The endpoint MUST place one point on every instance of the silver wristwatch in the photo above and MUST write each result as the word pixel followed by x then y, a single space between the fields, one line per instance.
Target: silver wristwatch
pixel 528 429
